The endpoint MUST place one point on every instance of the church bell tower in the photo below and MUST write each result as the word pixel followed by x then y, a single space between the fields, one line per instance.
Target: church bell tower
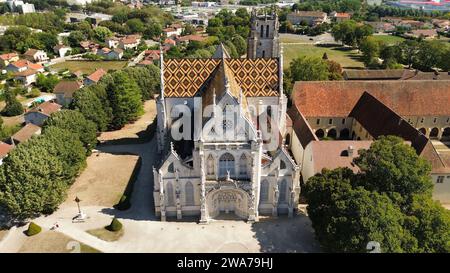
pixel 263 41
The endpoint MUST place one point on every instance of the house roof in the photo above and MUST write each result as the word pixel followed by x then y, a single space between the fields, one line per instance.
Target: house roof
pixel 301 127
pixel 387 122
pixel 309 13
pixel 191 37
pixel 31 52
pixel 384 74
pixel 342 15
pixel 256 77
pixel 58 47
pixel 129 40
pixel 47 108
pixel 67 87
pixel 26 133
pixel 20 63
pixel 97 75
pixel 407 98
pixel 5 149
pixel 334 154
pixel 26 73
pixel 424 32
pixel 35 66
pixel 8 56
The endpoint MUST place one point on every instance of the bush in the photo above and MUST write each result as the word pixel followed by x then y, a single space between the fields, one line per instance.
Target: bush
pixel 34 93
pixel 33 229
pixel 115 225
pixel 124 203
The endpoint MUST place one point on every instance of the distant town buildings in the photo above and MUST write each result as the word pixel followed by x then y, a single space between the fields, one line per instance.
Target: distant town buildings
pixel 20 6
pixel 310 18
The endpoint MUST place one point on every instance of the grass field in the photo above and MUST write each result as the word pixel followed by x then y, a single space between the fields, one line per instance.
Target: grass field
pixel 106 235
pixel 54 242
pixel 389 39
pixel 347 58
pixel 88 67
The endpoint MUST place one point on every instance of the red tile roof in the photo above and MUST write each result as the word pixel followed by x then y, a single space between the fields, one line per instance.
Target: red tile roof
pixel 407 98
pixel 20 63
pixel 97 75
pixel 26 133
pixel 334 154
pixel 67 87
pixel 47 108
pixel 30 52
pixel 8 56
pixel 5 149
pixel 26 73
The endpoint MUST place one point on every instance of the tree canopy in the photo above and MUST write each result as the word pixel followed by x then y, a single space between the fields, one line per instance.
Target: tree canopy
pixel 388 201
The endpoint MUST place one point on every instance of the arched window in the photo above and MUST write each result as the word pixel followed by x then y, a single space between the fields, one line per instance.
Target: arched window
pixel 169 195
pixel 283 191
pixel 226 163
pixel 263 53
pixel 189 192
pixel 170 169
pixel 243 165
pixel 264 191
pixel 320 133
pixel 262 31
pixel 210 165
pixel 269 111
pixel 267 31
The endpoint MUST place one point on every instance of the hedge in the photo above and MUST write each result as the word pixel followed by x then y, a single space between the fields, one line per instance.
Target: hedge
pixel 115 225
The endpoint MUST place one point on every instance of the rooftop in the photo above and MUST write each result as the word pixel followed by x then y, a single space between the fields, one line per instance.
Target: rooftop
pixel 67 87
pixel 47 108
pixel 407 98
pixel 26 133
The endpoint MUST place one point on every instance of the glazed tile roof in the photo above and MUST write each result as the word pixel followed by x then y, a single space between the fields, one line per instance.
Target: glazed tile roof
pixel 256 77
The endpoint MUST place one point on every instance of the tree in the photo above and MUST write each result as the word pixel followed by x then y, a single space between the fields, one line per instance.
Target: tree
pixel 370 48
pixel 101 33
pixel 67 147
pixel 147 78
pixel 240 44
pixel 334 70
pixel 351 33
pixel 345 219
pixel 430 224
pixel 46 83
pixel 308 69
pixel 135 25
pixel 85 100
pixel 31 181
pixel 392 167
pixel 12 107
pixel 189 29
pixel 13 36
pixel 429 55
pixel 75 37
pixel 152 30
pixel 125 98
pixel 77 124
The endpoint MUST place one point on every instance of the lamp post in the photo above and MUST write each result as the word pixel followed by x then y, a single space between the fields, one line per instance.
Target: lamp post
pixel 78 204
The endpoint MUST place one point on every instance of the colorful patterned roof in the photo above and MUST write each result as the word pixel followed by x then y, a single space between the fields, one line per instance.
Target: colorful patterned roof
pixel 256 77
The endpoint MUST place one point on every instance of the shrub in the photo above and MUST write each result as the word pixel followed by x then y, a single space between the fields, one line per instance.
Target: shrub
pixel 115 225
pixel 33 229
pixel 34 93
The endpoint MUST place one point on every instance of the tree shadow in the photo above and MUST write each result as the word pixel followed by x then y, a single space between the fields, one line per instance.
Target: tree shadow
pixel 286 235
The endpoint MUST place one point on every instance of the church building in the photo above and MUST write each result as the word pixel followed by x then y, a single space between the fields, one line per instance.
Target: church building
pixel 221 130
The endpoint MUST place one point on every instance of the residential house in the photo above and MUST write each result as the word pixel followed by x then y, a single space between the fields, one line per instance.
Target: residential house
pixel 8 58
pixel 22 65
pixel 61 50
pixel 40 113
pixel 311 18
pixel 411 24
pixel 381 26
pixel 94 77
pixel 4 150
pixel 340 16
pixel 110 54
pixel 90 46
pixel 172 31
pixel 169 42
pixel 129 42
pixel 64 91
pixel 145 62
pixel 24 134
pixel 35 55
pixel 112 42
pixel 152 55
pixel 423 33
pixel 26 77
pixel 189 38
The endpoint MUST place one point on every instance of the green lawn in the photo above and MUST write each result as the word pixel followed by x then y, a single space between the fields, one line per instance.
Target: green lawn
pixel 88 67
pixel 347 58
pixel 389 39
